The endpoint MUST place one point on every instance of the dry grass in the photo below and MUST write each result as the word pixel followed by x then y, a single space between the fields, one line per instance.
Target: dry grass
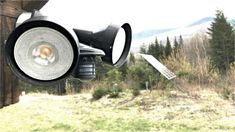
pixel 194 71
pixel 204 111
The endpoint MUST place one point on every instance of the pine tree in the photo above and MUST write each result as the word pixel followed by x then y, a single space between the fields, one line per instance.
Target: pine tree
pixel 154 50
pixel 176 46
pixel 221 43
pixel 161 50
pixel 157 53
pixel 181 42
pixel 143 49
pixel 151 49
pixel 168 48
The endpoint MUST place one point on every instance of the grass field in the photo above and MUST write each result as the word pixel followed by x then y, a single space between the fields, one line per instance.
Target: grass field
pixel 147 112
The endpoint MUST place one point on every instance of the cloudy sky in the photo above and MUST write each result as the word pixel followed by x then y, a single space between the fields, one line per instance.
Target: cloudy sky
pixel 141 14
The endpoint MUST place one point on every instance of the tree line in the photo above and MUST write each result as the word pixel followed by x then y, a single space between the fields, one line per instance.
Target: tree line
pixel 203 60
pixel 160 50
pixel 200 59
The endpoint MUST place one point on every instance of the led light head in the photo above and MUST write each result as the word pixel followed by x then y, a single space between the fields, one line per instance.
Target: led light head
pixel 41 51
pixel 115 41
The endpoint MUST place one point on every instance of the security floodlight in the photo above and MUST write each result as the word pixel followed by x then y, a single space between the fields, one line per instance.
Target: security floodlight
pixel 42 51
pixel 115 41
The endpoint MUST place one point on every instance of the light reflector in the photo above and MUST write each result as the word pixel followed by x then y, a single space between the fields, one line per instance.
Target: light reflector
pixel 43 53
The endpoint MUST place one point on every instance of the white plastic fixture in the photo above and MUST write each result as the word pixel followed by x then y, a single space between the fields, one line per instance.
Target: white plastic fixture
pixel 159 66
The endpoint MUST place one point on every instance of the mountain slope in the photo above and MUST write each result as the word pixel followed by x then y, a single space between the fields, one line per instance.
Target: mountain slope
pixel 149 33
pixel 187 31
pixel 201 21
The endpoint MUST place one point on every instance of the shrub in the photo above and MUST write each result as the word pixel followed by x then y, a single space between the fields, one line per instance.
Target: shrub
pixel 73 86
pixel 169 85
pixel 136 91
pixel 114 76
pixel 226 93
pixel 99 93
pixel 183 73
pixel 142 73
pixel 114 91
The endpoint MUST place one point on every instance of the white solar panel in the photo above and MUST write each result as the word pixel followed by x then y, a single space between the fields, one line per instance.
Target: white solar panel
pixel 159 66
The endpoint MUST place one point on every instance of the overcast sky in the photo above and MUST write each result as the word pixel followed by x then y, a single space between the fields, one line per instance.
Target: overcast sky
pixel 141 14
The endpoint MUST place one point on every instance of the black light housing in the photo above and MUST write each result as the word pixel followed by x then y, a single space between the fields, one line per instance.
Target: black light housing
pixel 41 51
pixel 105 41
pixel 19 47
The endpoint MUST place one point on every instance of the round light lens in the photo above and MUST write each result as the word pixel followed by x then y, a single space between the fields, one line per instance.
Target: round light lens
pixel 43 53
pixel 119 45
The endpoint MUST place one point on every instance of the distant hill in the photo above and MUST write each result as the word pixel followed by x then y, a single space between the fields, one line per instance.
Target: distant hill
pixel 149 33
pixel 201 21
pixel 187 31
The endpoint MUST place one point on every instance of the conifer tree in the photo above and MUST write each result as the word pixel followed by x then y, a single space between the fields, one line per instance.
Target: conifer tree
pixel 143 49
pixel 157 53
pixel 181 41
pixel 161 50
pixel 151 49
pixel 168 48
pixel 176 46
pixel 154 49
pixel 221 43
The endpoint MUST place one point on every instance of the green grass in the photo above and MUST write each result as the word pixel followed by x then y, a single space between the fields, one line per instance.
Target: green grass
pixel 147 112
pixel 120 125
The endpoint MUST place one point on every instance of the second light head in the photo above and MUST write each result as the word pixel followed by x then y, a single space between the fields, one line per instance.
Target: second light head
pixel 42 51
